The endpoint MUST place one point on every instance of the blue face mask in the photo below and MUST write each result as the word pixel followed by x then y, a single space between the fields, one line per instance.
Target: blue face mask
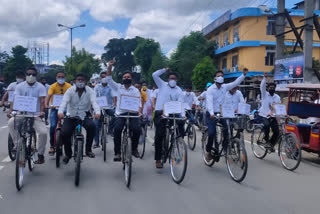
pixel 60 81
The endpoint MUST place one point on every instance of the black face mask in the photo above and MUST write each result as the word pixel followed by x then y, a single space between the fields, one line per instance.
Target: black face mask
pixel 271 91
pixel 127 81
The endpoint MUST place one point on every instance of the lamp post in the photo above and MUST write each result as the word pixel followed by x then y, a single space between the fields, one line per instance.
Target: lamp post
pixel 71 28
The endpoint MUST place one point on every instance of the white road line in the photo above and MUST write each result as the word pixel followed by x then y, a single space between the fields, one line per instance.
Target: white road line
pixel 1 167
pixel 1 198
pixel 3 127
pixel 6 160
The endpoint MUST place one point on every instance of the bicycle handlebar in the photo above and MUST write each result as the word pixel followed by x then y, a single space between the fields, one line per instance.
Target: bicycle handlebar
pixel 173 118
pixel 127 116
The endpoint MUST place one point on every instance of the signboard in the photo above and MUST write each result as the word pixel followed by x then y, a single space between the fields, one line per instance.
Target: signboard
pixel 173 107
pixel 130 103
pixel 25 103
pixel 217 23
pixel 57 100
pixel 227 111
pixel 102 101
pixel 10 96
pixel 280 109
pixel 244 108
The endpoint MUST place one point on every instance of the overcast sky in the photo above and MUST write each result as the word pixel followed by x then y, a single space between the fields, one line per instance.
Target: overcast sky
pixel 165 21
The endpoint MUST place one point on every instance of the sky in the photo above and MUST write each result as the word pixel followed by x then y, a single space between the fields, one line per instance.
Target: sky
pixel 165 21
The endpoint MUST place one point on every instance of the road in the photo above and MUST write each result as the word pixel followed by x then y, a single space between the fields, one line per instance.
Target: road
pixel 268 187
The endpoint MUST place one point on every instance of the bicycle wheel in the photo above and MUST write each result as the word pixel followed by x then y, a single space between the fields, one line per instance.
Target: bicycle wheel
pixel 79 143
pixel 31 150
pixel 11 153
pixel 127 161
pixel 290 152
pixel 165 147
pixel 249 126
pixel 192 137
pixel 58 144
pixel 178 160
pixel 257 136
pixel 20 165
pixel 204 141
pixel 103 140
pixel 237 160
pixel 142 141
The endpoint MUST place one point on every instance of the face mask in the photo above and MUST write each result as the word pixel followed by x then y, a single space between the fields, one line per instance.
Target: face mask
pixel 220 80
pixel 80 84
pixel 188 93
pixel 271 91
pixel 19 80
pixel 172 83
pixel 104 80
pixel 127 81
pixel 31 79
pixel 60 81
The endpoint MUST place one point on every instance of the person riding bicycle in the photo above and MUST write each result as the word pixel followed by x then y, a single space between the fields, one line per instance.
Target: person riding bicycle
pixel 234 97
pixel 78 101
pixel 20 77
pixel 168 91
pixel 190 99
pixel 129 90
pixel 268 98
pixel 215 97
pixel 102 89
pixel 31 88
pixel 43 80
pixel 58 88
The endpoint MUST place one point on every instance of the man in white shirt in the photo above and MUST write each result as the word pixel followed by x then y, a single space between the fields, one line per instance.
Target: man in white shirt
pixel 129 90
pixel 31 88
pixel 20 77
pixel 267 99
pixel 189 100
pixel 47 86
pixel 234 97
pixel 215 97
pixel 78 100
pixel 168 91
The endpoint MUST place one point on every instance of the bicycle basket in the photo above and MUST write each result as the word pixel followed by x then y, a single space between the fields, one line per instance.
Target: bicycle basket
pixel 240 122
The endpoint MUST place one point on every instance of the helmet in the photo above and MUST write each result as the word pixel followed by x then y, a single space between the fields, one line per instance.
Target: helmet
pixel 209 84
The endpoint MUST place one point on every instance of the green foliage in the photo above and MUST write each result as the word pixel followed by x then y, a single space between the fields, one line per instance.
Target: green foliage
pixel 18 61
pixel 51 74
pixel 203 73
pixel 82 62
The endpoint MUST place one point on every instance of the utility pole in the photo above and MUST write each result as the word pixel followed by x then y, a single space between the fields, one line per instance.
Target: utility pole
pixel 280 29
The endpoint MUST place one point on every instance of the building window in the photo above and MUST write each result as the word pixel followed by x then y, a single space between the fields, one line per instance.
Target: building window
pixel 224 64
pixel 269 60
pixel 271 26
pixel 236 33
pixel 225 38
pixel 234 60
pixel 216 39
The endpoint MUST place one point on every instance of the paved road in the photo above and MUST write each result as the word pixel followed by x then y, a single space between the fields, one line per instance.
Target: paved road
pixel 268 187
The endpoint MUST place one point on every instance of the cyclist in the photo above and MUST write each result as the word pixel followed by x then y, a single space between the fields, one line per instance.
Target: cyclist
pixel 102 89
pixel 215 96
pixel 143 94
pixel 58 88
pixel 78 99
pixel 32 88
pixel 190 99
pixel 20 77
pixel 168 91
pixel 43 80
pixel 124 89
pixel 234 97
pixel 268 97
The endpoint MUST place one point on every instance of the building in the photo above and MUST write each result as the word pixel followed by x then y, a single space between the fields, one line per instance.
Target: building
pixel 246 38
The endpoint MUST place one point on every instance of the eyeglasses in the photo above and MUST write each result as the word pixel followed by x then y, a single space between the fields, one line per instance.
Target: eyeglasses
pixel 31 75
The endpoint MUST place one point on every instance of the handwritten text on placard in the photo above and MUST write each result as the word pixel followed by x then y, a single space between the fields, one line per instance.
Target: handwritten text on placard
pixel 25 103
pixel 57 100
pixel 173 107
pixel 102 101
pixel 130 103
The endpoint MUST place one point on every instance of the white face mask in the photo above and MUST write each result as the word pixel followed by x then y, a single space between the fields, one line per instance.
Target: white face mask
pixel 220 80
pixel 104 80
pixel 19 80
pixel 172 83
pixel 61 81
pixel 31 79
pixel 80 84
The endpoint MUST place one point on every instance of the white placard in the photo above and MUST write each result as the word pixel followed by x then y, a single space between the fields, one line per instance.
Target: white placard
pixel 280 109
pixel 102 101
pixel 10 96
pixel 227 111
pixel 244 108
pixel 172 107
pixel 25 103
pixel 57 100
pixel 130 103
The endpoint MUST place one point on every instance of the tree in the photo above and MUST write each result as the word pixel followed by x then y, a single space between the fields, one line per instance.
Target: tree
pixel 82 62
pixel 4 57
pixel 190 51
pixel 18 61
pixel 50 75
pixel 203 73
pixel 158 61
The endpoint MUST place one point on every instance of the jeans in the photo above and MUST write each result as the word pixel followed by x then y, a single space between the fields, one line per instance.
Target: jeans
pixel 212 132
pixel 267 124
pixel 53 125
pixel 98 123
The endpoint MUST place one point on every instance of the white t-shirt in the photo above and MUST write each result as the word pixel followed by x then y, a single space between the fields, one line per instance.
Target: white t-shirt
pixel 234 99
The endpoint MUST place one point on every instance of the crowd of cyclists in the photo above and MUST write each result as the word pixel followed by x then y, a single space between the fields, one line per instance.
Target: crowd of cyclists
pixel 78 100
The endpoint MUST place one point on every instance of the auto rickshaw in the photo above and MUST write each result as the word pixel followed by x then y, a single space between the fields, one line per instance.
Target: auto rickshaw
pixel 304 103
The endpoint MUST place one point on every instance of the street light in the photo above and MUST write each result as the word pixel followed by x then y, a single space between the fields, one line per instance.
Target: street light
pixel 71 28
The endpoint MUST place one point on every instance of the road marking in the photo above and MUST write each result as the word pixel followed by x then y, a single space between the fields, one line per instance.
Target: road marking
pixel 3 127
pixel 6 160
pixel 1 167
pixel 1 198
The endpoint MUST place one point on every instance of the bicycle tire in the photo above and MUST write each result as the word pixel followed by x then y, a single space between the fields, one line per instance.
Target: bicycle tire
pixel 256 134
pixel 165 147
pixel 293 146
pixel 192 137
pixel 104 143
pixel 79 143
pixel 177 150
pixel 204 141
pixel 249 126
pixel 128 162
pixel 237 154
pixel 20 165
pixel 58 147
pixel 142 145
pixel 12 155
pixel 31 152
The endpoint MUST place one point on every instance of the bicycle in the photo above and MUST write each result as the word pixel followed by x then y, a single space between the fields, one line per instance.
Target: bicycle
pixel 174 148
pixel 26 147
pixel 191 134
pixel 58 143
pixel 289 148
pixel 104 130
pixel 232 148
pixel 126 148
pixel 143 136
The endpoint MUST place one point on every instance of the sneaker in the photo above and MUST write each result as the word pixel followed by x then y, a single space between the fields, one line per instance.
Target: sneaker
pixel 66 160
pixel 159 164
pixel 51 151
pixel 40 159
pixel 135 153
pixel 90 154
pixel 208 157
pixel 47 123
pixel 117 158
pixel 96 145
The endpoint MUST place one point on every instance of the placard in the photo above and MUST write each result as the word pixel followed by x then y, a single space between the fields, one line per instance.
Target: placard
pixel 172 107
pixel 25 103
pixel 244 108
pixel 130 103
pixel 10 96
pixel 227 111
pixel 57 100
pixel 280 109
pixel 102 101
